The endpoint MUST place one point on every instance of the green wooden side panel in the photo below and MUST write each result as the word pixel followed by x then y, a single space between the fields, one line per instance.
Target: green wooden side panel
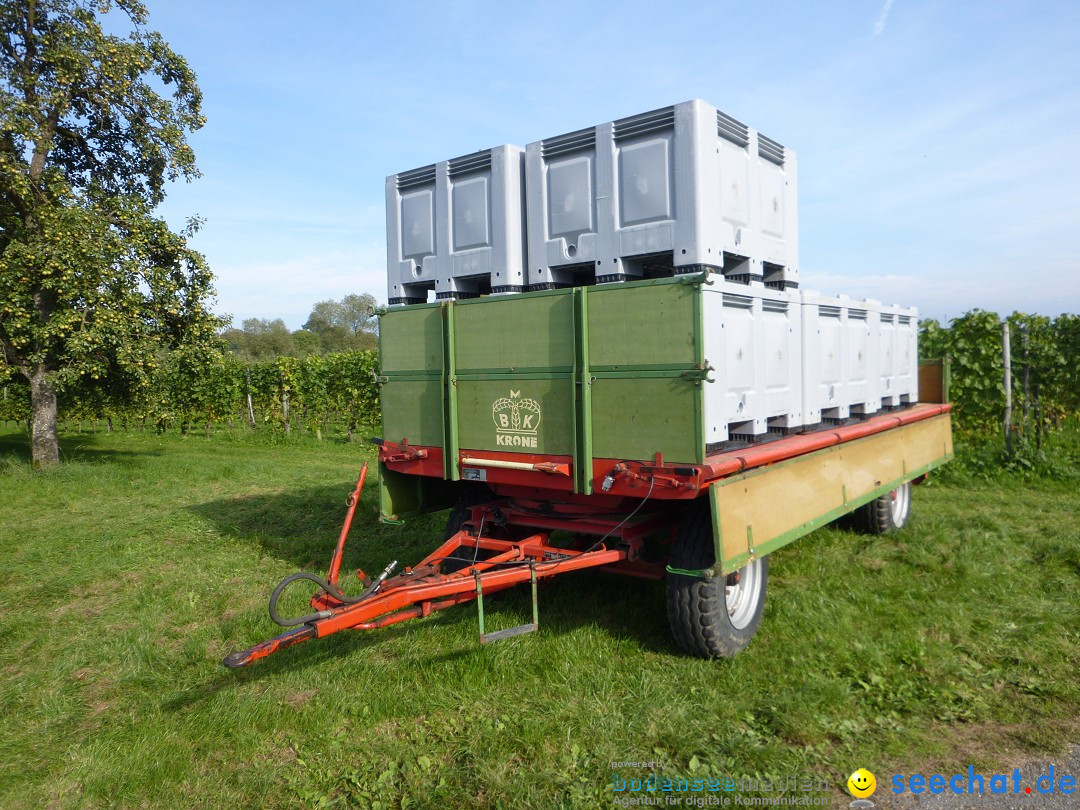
pixel 411 339
pixel 413 410
pixel 643 325
pixel 402 496
pixel 635 418
pixel 505 332
pixel 519 415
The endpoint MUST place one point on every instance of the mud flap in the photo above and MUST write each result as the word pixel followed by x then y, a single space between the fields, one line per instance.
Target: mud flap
pixel 402 496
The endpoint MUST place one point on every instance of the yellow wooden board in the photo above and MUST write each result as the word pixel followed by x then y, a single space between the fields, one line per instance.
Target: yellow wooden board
pixel 783 501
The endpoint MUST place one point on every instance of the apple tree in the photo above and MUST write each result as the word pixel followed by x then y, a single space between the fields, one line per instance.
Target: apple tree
pixel 93 285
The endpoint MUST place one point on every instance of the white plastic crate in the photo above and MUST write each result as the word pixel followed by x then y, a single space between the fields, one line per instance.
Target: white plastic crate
pixel 673 190
pixel 753 345
pixel 840 341
pixel 897 371
pixel 457 227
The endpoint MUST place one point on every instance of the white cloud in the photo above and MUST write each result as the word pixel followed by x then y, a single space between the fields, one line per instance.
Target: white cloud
pixel 879 26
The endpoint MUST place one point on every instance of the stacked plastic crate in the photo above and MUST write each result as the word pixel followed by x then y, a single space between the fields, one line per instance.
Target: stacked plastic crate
pixel 674 190
pixel 457 227
pixel 679 190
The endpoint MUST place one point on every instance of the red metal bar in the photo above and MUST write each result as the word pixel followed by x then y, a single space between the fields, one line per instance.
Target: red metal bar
pixel 405 595
pixel 354 499
pixel 430 465
pixel 415 612
pixel 793 446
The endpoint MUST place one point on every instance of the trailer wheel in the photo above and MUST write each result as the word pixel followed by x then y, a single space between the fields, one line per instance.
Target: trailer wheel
pixel 472 495
pixel 889 513
pixel 712 618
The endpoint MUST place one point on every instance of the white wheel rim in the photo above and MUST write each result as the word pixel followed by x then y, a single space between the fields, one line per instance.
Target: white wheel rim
pixel 900 504
pixel 743 597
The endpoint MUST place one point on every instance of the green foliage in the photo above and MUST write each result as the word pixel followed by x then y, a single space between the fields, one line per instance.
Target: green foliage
pixel 1066 336
pixel 203 385
pixel 977 386
pixel 14 397
pixel 1046 382
pixel 92 284
pixel 983 459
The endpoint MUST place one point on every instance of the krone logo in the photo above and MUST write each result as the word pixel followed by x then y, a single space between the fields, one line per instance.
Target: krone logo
pixel 516 420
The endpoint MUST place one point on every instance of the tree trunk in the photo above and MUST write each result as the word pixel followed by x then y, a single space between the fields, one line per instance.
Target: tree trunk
pixel 44 443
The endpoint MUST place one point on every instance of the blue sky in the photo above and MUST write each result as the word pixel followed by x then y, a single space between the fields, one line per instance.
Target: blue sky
pixel 938 143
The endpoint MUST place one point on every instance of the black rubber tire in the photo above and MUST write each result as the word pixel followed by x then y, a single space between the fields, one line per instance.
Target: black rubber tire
pixel 879 517
pixel 471 495
pixel 697 608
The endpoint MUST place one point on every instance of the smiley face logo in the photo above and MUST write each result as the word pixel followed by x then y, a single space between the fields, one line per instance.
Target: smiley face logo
pixel 861 784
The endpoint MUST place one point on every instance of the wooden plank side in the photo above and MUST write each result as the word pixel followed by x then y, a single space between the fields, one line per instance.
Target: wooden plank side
pixel 759 507
pixel 932 382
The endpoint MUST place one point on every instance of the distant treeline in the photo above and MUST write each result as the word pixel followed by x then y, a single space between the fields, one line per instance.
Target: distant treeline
pixel 333 326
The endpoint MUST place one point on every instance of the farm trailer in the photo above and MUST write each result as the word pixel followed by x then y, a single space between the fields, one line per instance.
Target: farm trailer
pixel 570 429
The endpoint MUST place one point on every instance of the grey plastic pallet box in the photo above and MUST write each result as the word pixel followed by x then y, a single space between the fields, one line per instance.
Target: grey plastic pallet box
pixel 858 357
pixel 896 361
pixel 457 227
pixel 673 190
pixel 753 347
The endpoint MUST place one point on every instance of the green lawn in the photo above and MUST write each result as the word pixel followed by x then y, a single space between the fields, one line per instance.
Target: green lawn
pixel 130 572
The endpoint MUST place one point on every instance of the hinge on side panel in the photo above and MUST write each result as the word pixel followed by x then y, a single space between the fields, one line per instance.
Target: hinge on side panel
pixel 699 374
pixel 394 451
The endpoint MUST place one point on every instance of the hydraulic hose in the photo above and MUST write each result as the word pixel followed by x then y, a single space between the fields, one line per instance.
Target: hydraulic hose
pixel 326 586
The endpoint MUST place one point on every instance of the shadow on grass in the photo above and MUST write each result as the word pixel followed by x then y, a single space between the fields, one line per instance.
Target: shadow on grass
pixel 625 608
pixel 301 527
pixel 15 447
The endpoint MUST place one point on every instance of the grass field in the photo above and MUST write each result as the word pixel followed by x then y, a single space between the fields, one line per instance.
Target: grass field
pixel 130 572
